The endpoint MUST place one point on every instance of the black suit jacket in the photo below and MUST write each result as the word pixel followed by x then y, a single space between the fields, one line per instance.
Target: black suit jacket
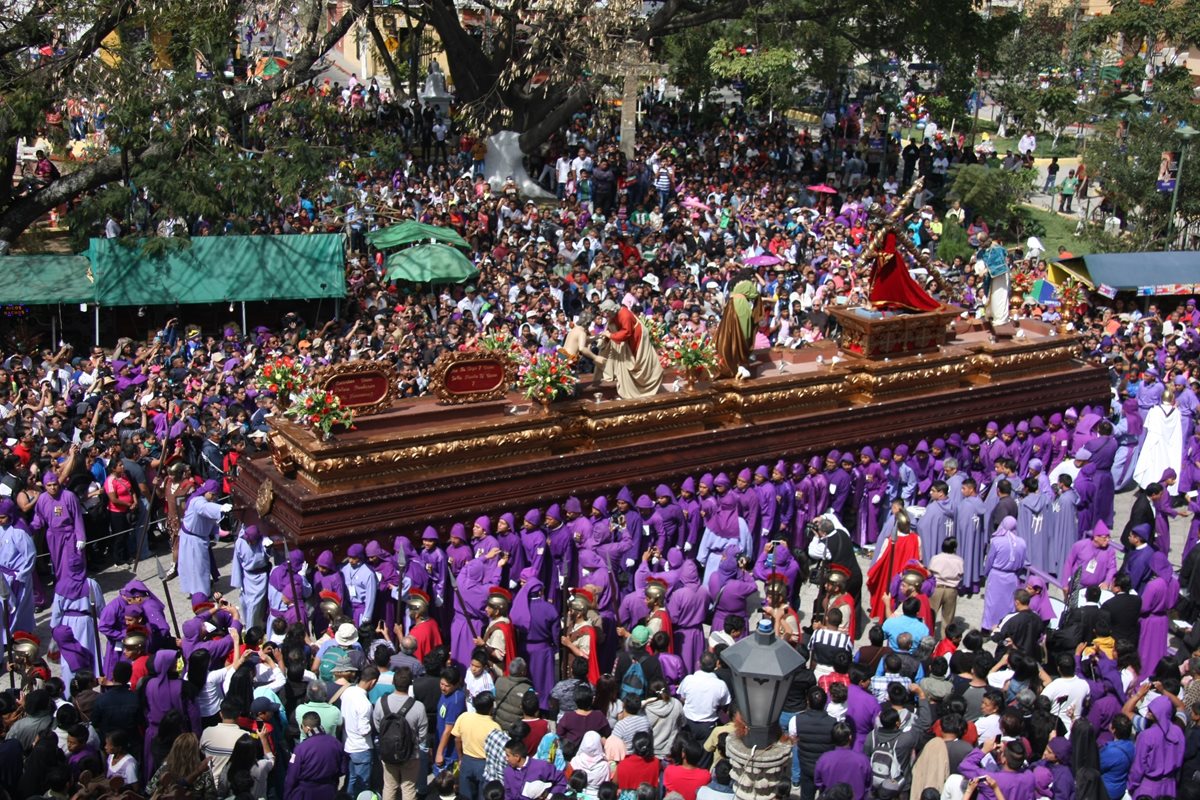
pixel 1142 512
pixel 1124 614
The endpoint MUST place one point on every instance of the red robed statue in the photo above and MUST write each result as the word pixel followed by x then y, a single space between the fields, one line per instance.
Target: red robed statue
pixel 891 285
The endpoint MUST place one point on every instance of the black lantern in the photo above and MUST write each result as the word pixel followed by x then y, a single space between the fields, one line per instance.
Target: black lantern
pixel 762 669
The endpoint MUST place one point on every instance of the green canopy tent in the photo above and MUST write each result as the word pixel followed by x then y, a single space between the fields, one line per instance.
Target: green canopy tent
pixel 430 263
pixel 412 232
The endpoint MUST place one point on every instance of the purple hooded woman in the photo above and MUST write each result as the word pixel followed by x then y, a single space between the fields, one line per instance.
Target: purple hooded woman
pixel 286 581
pixel 729 587
pixel 197 532
pixel 1158 598
pixel 778 560
pixel 687 605
pixel 1164 512
pixel 1158 753
pixel 1039 598
pixel 1006 557
pixel 872 502
pixel 249 569
pixel 77 599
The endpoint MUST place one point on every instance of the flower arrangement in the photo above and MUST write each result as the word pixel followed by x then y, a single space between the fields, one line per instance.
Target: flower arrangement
pixel 501 342
pixel 657 330
pixel 691 353
pixel 1022 283
pixel 546 376
pixel 282 377
pixel 1072 294
pixel 320 409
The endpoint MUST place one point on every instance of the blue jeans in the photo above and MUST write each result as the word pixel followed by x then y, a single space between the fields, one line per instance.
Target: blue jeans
pixel 470 777
pixel 358 777
pixel 785 718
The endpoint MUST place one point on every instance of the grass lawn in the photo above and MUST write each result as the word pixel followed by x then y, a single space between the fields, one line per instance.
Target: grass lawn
pixel 1060 230
pixel 1065 149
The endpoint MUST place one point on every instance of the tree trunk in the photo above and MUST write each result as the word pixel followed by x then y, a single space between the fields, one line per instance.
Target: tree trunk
pixel 385 55
pixel 551 120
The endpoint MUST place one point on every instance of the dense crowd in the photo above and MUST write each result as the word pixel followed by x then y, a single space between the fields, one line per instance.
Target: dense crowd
pixel 576 650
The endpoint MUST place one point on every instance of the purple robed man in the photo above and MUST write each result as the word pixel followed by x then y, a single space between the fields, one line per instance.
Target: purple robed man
pixel 969 521
pixel 935 526
pixel 1092 558
pixel 1104 454
pixel 1158 598
pixel 458 552
pixel 768 502
pixel 1006 557
pixel 533 541
pixel 469 620
pixel 315 769
pixel 812 498
pixel 672 527
pixel 729 587
pixel 249 570
pixel 326 577
pixel 689 505
pixel 362 586
pixel 433 560
pixel 482 541
pixel 862 709
pixel 531 770
pixel 872 497
pixel 687 606
pixel 17 558
pixel 780 560
pixel 209 630
pixel 724 528
pixel 562 552
pixel 77 598
pixel 1129 432
pixel 1158 753
pixel 163 693
pixel 133 598
pixel 539 625
pixel 281 599
pixel 196 533
pixel 57 511
pixel 1063 521
pixel 387 591
pixel 785 500
pixel 1032 527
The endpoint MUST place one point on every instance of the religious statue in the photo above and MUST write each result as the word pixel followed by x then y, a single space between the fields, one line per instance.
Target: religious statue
pixel 630 359
pixel 576 346
pixel 735 334
pixel 435 81
pixel 994 259
pixel 892 287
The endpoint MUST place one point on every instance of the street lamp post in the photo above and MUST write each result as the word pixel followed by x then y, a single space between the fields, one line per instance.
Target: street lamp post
pixel 762 668
pixel 1185 132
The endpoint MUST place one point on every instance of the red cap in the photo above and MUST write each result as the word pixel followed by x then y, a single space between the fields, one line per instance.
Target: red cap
pixel 334 596
pixel 585 594
pixel 500 591
pixel 656 582
pixel 26 636
pixel 840 570
pixel 200 608
pixel 417 594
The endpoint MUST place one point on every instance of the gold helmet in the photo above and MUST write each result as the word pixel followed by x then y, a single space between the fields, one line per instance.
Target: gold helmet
pixel 581 600
pixel 776 587
pixel 656 590
pixel 417 601
pixel 330 604
pixel 26 646
pixel 903 525
pixel 500 599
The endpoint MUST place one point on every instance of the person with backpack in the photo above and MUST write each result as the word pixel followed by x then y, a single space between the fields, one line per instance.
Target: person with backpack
pixel 402 727
pixel 892 748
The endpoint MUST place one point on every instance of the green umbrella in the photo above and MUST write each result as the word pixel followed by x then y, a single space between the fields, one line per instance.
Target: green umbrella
pixel 430 263
pixel 412 232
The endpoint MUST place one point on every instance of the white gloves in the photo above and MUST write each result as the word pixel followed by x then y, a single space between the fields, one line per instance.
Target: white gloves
pixel 437 601
pixel 629 562
pixel 832 489
pixel 512 584
pixel 645 530
pixel 79 546
pixel 561 580
pixel 226 508
pixel 875 500
pixel 687 547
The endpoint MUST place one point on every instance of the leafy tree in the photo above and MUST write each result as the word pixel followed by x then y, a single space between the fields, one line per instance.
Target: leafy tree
pixel 168 129
pixel 995 193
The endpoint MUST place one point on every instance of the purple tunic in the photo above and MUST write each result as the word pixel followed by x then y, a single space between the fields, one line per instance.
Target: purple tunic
pixel 969 521
pixel 1032 527
pixel 1063 522
pixel 163 694
pixel 1158 598
pixel 687 607
pixel 533 769
pixel 1158 753
pixel 112 618
pixel 1006 557
pixel 729 587
pixel 539 626
pixel 935 526
pixel 315 769
pixel 469 619
pixel 62 519
pixel 844 765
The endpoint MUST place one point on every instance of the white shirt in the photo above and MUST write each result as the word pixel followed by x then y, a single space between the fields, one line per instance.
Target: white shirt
pixel 356 719
pixel 703 693
pixel 1072 692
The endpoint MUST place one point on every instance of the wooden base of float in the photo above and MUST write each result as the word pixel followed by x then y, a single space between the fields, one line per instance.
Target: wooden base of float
pixel 420 462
